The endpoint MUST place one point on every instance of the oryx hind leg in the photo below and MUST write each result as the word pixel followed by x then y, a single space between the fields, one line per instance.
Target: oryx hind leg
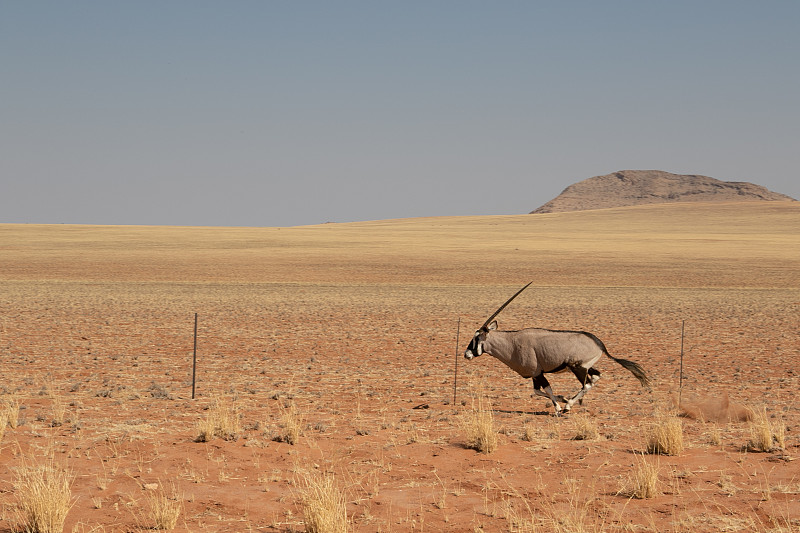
pixel 588 377
pixel 541 387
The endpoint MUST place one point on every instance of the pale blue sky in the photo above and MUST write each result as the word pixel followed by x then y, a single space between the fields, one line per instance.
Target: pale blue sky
pixel 285 113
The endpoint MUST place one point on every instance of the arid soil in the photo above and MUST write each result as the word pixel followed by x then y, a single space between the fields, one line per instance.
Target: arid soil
pixel 354 326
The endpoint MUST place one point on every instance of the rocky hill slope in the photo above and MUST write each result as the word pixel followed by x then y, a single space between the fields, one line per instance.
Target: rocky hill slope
pixel 638 187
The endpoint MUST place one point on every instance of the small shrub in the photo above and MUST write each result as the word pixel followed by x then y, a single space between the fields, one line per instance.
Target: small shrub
pixel 159 391
pixel 528 433
pixel 291 425
pixel 645 479
pixel 665 436
pixel 324 509
pixel 726 484
pixel 222 420
pixel 585 428
pixel 715 436
pixel 44 496
pixel 765 436
pixel 478 425
pixel 10 407
pixel 59 411
pixel 164 508
pixel 206 429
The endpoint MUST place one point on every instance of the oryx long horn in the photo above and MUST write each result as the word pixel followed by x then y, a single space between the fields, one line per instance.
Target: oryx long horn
pixel 504 306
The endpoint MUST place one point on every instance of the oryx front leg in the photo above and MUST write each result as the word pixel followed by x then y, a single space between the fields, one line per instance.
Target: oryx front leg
pixel 540 382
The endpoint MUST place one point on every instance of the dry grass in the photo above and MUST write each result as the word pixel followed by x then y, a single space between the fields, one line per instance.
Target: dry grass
pixel 585 427
pixel 517 510
pixel 665 435
pixel 44 497
pixel 323 503
pixel 529 433
pixel 59 410
pixel 291 425
pixel 644 481
pixel 164 508
pixel 482 242
pixel 478 424
pixel 581 514
pixel 222 420
pixel 715 436
pixel 765 436
pixel 10 409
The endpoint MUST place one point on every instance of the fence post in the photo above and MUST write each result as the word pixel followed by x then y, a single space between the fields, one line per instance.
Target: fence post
pixel 194 356
pixel 455 372
pixel 680 377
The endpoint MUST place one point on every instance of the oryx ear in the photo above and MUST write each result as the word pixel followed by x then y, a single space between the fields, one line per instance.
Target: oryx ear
pixel 492 326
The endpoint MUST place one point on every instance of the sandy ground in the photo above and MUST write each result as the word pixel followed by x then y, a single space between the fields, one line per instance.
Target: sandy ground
pixel 353 328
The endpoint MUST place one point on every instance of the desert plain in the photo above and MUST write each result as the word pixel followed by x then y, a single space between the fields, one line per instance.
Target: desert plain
pixel 336 350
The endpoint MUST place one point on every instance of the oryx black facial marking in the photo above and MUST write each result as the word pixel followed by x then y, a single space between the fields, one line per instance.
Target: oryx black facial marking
pixel 533 352
pixel 475 347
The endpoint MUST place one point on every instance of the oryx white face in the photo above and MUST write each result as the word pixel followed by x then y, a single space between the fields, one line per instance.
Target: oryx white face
pixel 475 348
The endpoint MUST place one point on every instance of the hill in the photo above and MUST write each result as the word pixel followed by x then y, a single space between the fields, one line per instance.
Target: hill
pixel 641 187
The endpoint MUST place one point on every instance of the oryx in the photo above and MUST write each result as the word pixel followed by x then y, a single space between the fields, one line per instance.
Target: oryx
pixel 533 352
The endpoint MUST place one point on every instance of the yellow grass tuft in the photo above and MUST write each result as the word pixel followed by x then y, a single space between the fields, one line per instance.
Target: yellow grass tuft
pixel 665 435
pixel 645 479
pixel 585 427
pixel 222 420
pixel 715 436
pixel 478 424
pixel 291 424
pixel 44 497
pixel 10 408
pixel 59 410
pixel 581 514
pixel 164 507
pixel 324 509
pixel 765 436
pixel 529 433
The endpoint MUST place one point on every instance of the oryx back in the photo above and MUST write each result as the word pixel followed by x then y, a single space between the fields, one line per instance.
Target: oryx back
pixel 559 350
pixel 534 351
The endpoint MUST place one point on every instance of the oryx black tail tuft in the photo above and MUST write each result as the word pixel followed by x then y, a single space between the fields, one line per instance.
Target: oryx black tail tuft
pixel 634 369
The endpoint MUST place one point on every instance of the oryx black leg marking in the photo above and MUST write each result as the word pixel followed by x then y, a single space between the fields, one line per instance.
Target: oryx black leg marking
pixel 540 382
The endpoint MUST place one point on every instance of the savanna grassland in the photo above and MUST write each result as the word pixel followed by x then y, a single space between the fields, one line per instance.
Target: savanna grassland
pixel 326 355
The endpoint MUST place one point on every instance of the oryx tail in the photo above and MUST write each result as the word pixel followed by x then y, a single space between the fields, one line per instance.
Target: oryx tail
pixel 634 368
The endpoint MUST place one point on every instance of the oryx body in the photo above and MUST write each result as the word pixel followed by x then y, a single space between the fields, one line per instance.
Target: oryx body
pixel 534 352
